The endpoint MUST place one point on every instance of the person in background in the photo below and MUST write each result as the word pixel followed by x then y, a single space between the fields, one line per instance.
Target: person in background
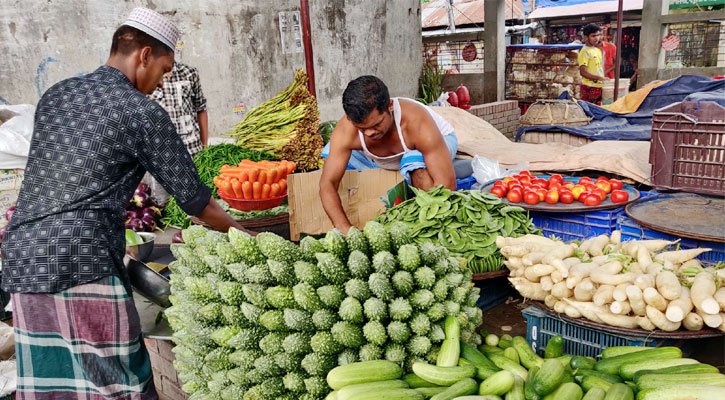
pixel 182 97
pixel 591 65
pixel 609 50
pixel 77 330
pixel 391 133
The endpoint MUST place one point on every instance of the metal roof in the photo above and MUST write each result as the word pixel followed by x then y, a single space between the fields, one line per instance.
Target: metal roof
pixel 465 12
pixel 597 7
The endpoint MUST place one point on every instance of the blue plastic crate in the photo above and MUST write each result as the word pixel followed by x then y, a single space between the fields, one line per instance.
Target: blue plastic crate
pixel 633 231
pixel 579 340
pixel 494 291
pixel 465 183
pixel 577 226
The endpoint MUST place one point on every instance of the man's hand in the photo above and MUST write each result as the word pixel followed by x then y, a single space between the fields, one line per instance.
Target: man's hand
pixel 214 215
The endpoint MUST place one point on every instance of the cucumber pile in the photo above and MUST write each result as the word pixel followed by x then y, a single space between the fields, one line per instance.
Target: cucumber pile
pixel 506 368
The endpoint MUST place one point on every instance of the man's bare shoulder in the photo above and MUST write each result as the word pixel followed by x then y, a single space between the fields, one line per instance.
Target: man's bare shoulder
pixel 414 119
pixel 345 134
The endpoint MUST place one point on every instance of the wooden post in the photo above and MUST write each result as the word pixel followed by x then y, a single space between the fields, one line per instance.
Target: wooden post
pixel 307 42
pixel 494 50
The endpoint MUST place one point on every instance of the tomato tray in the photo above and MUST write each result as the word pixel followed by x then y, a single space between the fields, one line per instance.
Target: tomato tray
pixel 253 205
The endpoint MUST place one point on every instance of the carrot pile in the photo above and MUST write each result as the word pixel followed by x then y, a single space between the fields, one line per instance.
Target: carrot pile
pixel 252 180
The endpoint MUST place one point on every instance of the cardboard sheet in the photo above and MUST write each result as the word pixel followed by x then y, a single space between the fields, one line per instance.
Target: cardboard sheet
pixel 477 137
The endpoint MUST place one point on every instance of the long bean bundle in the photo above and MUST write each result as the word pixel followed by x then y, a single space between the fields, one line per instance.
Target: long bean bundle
pixel 285 126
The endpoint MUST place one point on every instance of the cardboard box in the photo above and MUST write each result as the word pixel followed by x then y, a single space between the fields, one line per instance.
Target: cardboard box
pixel 360 192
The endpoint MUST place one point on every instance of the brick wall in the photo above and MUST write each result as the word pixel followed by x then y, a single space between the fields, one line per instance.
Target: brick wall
pixel 503 115
pixel 166 380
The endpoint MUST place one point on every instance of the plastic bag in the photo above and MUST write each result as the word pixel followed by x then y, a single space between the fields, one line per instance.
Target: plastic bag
pixel 16 132
pixel 442 101
pixel 486 170
pixel 8 377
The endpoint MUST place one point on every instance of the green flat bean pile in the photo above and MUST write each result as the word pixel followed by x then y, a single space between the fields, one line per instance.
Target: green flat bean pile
pixel 465 222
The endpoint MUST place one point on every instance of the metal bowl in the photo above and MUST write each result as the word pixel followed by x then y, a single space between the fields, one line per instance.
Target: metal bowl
pixel 142 251
pixel 148 282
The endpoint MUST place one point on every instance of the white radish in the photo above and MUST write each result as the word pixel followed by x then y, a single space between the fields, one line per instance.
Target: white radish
pixel 620 307
pixel 680 256
pixel 635 267
pixel 678 309
pixel 645 323
pixel 613 267
pixel 636 301
pixel 654 299
pixel 668 285
pixel 693 322
pixel 584 291
pixel 589 310
pixel 722 325
pixel 530 290
pixel 561 291
pixel 571 261
pixel 719 296
pixel 601 260
pixel 644 281
pixel 660 321
pixel 535 239
pixel 536 271
pixel 584 247
pixel 597 246
pixel 621 321
pixel 702 292
pixel 579 272
pixel 654 268
pixel 550 301
pixel 572 312
pixel 556 256
pixel 619 292
pixel 546 283
pixel 652 246
pixel 518 250
pixel 711 320
pixel 692 263
pixel 603 295
pixel 517 273
pixel 556 276
pixel 532 258
pixel 604 277
pixel 513 263
pixel 616 237
pixel 560 307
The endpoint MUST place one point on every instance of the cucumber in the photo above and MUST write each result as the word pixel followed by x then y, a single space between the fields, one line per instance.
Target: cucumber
pixel 628 370
pixel 565 361
pixel 486 397
pixel 505 343
pixel 452 328
pixel 632 386
pixel 349 391
pixel 590 382
pixel 487 349
pixel 612 365
pixel 507 364
pixel 429 392
pixel 652 381
pixel 472 354
pixel 527 357
pixel 610 352
pixel 549 377
pixel 414 381
pixel 363 372
pixel 567 391
pixel 389 394
pixel 498 383
pixel 449 353
pixel 529 392
pixel 517 391
pixel 443 376
pixel 579 362
pixel 332 395
pixel 619 391
pixel 555 347
pixel 512 354
pixel 595 394
pixel 481 372
pixel 492 340
pixel 460 388
pixel 580 374
pixel 685 391
pixel 681 369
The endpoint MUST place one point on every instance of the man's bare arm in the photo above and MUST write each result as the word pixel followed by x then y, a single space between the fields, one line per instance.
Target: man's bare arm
pixel 585 74
pixel 203 127
pixel 214 215
pixel 429 141
pixel 332 173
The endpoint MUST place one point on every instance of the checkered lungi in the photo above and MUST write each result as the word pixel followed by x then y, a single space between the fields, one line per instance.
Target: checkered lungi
pixel 591 94
pixel 83 343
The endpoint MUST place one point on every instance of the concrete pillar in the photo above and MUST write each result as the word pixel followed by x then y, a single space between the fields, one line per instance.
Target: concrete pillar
pixel 651 56
pixel 494 50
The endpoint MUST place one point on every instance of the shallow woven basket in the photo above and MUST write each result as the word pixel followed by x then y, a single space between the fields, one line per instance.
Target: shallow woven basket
pixel 555 112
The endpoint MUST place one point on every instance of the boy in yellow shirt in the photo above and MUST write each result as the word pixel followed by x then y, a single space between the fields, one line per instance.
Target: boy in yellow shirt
pixel 591 65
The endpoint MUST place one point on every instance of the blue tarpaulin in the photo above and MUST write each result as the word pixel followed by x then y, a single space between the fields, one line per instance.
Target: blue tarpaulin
pixel 607 125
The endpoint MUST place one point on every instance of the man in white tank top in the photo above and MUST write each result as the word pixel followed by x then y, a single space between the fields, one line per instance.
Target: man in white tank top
pixel 380 132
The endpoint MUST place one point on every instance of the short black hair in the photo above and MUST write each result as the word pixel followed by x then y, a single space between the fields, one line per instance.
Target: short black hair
pixel 591 28
pixel 362 95
pixel 127 39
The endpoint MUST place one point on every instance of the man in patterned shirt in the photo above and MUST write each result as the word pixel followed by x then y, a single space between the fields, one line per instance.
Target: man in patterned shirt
pixel 182 97
pixel 77 331
pixel 591 65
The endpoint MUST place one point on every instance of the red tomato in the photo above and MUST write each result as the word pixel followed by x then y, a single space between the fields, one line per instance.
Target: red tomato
pixel 569 185
pixel 517 177
pixel 512 182
pixel 498 191
pixel 590 186
pixel 616 184
pixel 542 193
pixel 619 196
pixel 592 200
pixel 517 186
pixel 526 173
pixel 507 179
pixel 540 181
pixel 500 183
pixel 513 196
pixel 602 178
pixel 552 197
pixel 584 179
pixel 525 180
pixel 531 197
pixel 556 178
pixel 566 197
pixel 604 185
pixel 577 190
pixel 583 196
pixel 601 193
pixel 553 185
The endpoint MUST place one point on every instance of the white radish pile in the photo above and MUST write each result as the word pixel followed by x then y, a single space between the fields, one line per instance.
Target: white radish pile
pixel 632 284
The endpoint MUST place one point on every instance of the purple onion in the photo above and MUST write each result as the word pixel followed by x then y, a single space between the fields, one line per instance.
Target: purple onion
pixel 140 199
pixel 148 222
pixel 144 188
pixel 177 238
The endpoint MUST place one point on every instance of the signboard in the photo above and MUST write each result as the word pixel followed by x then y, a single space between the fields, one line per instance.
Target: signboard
pixel 290 32
pixel 675 4
pixel 670 42
pixel 470 52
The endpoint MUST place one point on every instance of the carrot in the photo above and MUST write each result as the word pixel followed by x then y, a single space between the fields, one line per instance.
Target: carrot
pixel 226 188
pixel 268 164
pixel 237 188
pixel 247 190
pixel 283 185
pixel 253 174
pixel 262 178
pixel 244 176
pixel 256 190
pixel 276 190
pixel 290 167
pixel 248 162
pixel 265 191
pixel 272 176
